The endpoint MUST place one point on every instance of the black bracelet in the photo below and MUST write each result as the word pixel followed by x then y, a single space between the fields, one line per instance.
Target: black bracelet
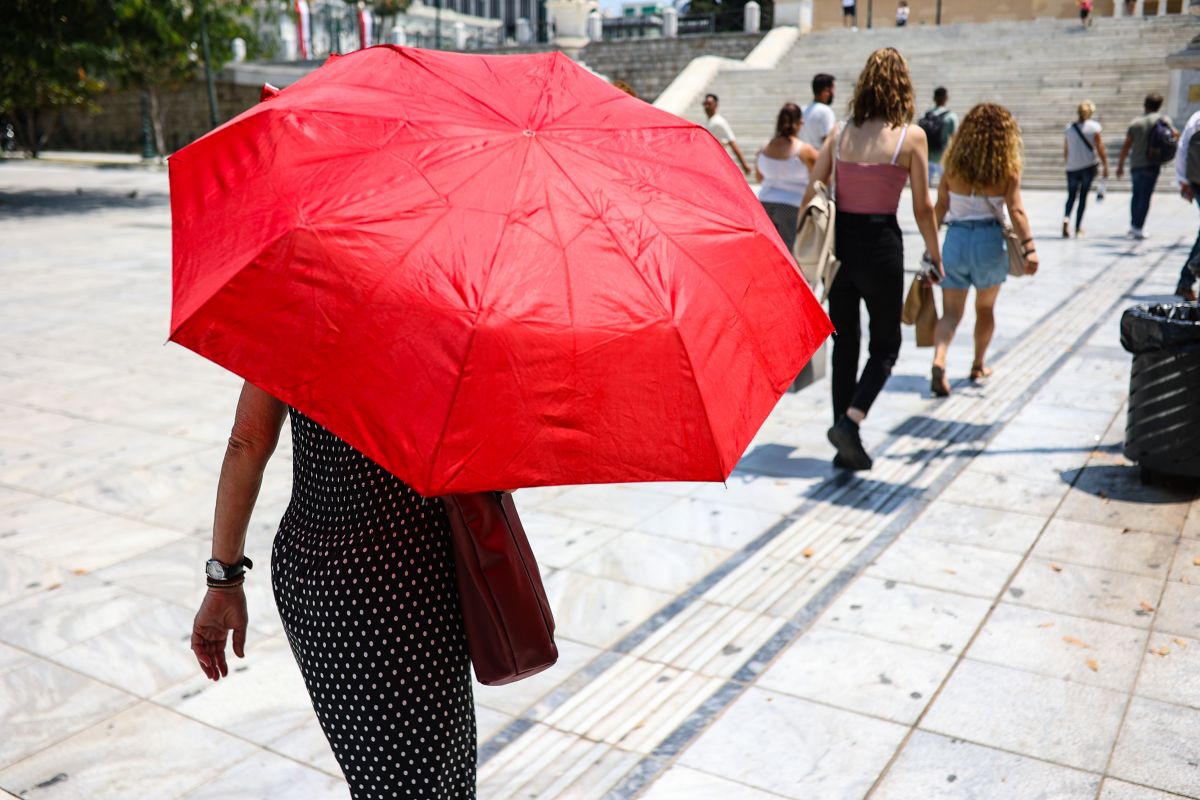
pixel 1026 241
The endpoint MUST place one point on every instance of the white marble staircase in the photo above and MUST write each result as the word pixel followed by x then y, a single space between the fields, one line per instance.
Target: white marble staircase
pixel 1041 70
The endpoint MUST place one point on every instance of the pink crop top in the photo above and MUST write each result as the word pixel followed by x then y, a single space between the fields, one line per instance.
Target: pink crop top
pixel 864 188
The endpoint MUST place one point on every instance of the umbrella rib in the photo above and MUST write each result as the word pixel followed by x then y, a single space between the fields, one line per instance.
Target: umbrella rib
pixel 600 218
pixel 404 52
pixel 691 364
pixel 587 152
pixel 756 345
pixel 665 234
pixel 437 447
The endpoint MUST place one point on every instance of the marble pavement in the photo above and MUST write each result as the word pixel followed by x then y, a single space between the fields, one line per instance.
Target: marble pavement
pixel 998 610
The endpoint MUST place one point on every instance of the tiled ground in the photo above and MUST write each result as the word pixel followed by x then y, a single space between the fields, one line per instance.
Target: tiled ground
pixel 998 610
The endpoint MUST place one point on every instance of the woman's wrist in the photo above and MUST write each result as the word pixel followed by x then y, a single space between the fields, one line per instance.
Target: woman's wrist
pixel 224 586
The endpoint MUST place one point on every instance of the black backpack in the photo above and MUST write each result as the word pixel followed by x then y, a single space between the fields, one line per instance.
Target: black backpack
pixel 1161 142
pixel 934 125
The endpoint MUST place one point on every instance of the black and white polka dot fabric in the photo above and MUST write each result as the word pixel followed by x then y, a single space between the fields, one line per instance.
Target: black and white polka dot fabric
pixel 364 579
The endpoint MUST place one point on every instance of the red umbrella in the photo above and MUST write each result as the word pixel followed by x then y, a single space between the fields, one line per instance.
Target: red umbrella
pixel 489 272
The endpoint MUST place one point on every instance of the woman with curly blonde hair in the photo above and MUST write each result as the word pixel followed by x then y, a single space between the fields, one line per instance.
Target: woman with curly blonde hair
pixel 983 176
pixel 869 160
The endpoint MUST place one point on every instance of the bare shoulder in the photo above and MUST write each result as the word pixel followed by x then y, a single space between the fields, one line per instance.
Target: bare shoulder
pixel 916 135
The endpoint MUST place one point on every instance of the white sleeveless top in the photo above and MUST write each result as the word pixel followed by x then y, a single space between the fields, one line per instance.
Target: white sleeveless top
pixel 965 207
pixel 784 180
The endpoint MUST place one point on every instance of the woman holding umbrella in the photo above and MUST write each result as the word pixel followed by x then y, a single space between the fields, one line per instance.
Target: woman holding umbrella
pixel 435 265
pixel 870 159
pixel 363 576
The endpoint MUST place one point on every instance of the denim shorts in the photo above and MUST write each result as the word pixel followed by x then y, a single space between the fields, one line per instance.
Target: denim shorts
pixel 974 254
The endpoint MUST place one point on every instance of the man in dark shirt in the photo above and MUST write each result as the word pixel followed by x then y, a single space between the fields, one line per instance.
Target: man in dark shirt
pixel 1143 171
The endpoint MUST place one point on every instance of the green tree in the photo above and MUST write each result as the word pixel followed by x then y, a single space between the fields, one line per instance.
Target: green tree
pixel 157 45
pixel 54 54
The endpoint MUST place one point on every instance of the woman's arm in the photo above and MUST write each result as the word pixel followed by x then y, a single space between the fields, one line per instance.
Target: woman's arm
pixel 1065 150
pixel 758 176
pixel 1102 154
pixel 823 167
pixel 942 207
pixel 918 176
pixel 1125 148
pixel 256 426
pixel 1020 222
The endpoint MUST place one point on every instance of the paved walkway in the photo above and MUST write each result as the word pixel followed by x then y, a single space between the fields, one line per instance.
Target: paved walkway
pixel 998 610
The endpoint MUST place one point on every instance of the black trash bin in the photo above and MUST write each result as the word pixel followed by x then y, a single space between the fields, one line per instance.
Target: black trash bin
pixel 1162 430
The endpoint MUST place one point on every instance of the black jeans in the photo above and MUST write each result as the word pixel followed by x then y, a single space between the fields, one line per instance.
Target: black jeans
pixel 1079 182
pixel 872 255
pixel 1143 179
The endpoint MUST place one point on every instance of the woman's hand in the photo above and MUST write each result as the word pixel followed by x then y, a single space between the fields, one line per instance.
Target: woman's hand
pixel 222 611
pixel 1031 263
pixel 934 273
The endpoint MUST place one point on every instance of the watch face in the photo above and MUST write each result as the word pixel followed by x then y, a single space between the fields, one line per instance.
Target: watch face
pixel 215 570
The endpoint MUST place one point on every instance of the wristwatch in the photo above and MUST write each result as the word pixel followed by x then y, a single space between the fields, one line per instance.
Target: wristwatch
pixel 220 571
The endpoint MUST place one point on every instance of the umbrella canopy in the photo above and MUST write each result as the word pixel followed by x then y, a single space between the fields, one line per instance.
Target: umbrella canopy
pixel 489 272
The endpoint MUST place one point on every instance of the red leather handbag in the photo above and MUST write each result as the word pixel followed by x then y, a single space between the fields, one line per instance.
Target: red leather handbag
pixel 510 629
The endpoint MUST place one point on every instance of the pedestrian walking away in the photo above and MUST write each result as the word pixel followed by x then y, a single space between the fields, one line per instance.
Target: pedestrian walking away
pixel 1085 12
pixel 875 153
pixel 1150 142
pixel 849 15
pixel 983 176
pixel 1187 175
pixel 939 124
pixel 1083 153
pixel 405 385
pixel 350 522
pixel 901 13
pixel 819 118
pixel 719 127
pixel 782 165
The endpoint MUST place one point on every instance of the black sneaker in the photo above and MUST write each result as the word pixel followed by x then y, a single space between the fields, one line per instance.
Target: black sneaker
pixel 844 436
pixel 841 463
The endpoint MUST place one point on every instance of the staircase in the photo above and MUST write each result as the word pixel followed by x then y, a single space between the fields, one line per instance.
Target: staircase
pixel 1040 70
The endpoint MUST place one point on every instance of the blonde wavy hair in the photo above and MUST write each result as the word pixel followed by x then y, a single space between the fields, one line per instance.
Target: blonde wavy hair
pixel 1086 109
pixel 884 90
pixel 986 149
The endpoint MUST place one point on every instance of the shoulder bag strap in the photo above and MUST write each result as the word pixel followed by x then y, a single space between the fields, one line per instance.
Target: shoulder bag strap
pixel 1079 130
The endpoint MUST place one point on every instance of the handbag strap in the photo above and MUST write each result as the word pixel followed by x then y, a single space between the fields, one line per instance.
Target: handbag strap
pixel 996 212
pixel 1079 130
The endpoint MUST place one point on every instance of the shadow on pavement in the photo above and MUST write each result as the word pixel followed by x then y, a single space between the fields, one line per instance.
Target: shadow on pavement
pixel 50 203
pixel 776 461
pixel 1123 483
pixel 944 430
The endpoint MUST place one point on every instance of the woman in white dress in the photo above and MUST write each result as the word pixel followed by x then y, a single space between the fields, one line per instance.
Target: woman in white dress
pixel 782 166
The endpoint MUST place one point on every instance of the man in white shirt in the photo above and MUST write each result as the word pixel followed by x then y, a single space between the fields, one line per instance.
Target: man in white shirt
pixel 1189 188
pixel 819 119
pixel 720 129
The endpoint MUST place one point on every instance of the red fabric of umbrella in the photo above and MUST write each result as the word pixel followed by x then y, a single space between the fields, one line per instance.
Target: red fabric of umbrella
pixel 489 272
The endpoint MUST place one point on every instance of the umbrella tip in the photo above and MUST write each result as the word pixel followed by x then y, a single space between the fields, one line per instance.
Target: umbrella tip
pixel 268 91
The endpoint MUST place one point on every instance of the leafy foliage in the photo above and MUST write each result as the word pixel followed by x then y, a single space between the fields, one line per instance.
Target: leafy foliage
pixel 54 56
pixel 65 53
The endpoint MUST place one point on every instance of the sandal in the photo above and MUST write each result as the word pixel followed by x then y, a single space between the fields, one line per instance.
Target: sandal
pixel 938 383
pixel 980 371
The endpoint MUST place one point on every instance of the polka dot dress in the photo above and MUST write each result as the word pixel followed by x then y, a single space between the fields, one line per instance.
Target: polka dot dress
pixel 364 579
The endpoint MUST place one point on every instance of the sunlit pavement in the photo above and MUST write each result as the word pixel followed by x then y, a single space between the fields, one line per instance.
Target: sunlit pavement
pixel 999 609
